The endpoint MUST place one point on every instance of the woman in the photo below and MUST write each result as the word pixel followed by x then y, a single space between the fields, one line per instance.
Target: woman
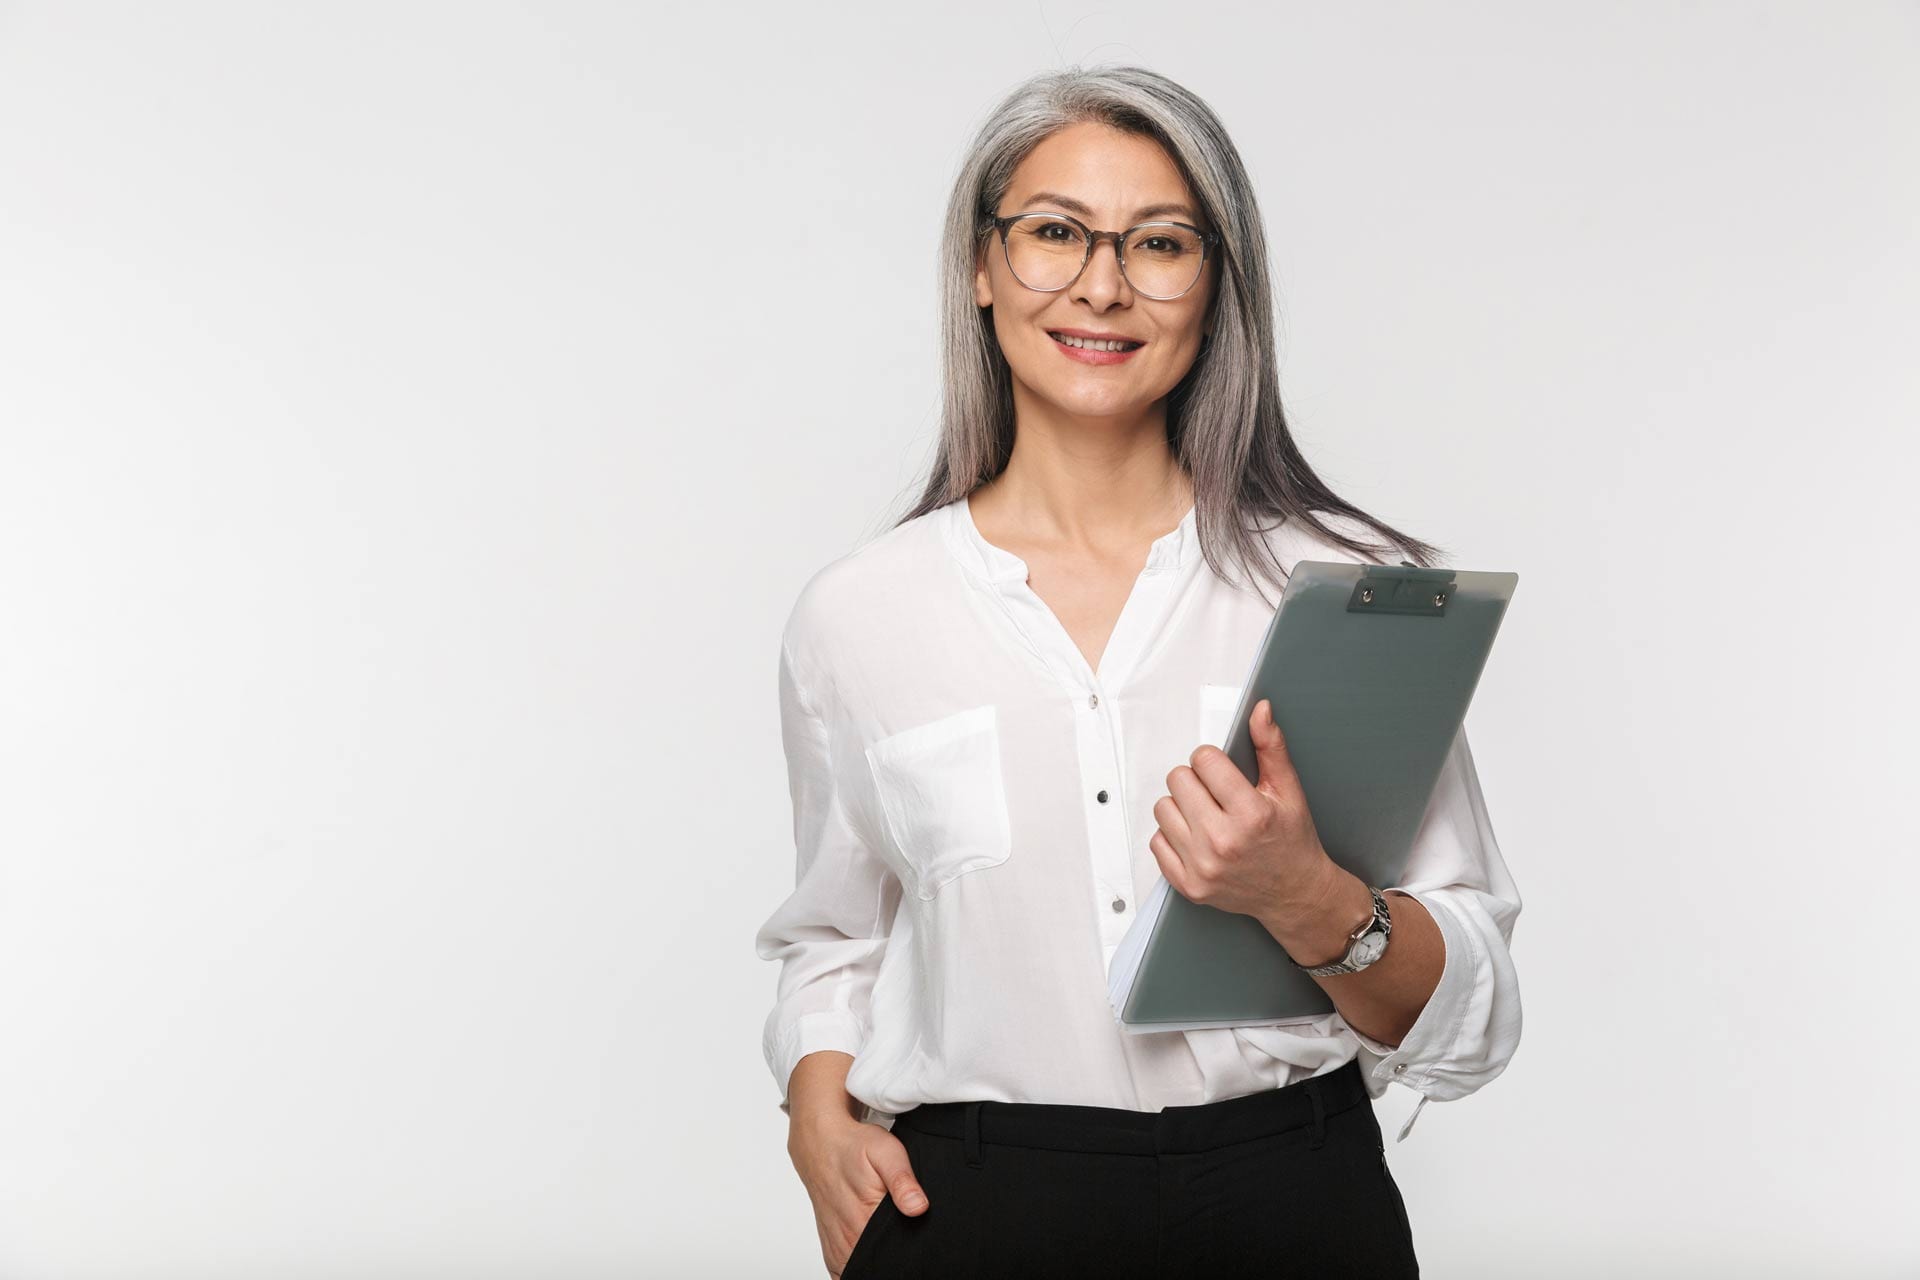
pixel 991 714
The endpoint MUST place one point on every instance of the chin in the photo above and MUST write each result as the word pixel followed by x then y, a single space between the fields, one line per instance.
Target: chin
pixel 1098 406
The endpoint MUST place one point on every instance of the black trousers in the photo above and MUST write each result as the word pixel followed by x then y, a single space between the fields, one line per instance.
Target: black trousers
pixel 1286 1182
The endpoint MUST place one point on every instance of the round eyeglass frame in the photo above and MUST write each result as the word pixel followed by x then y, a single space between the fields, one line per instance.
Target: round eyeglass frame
pixel 1207 240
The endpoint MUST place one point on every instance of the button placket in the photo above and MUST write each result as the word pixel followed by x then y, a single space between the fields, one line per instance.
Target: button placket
pixel 1103 771
pixel 1099 733
pixel 1100 771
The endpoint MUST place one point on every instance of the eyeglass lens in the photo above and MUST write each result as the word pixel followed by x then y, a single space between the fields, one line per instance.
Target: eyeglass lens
pixel 1046 252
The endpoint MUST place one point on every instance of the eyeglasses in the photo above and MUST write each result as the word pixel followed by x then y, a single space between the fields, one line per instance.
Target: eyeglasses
pixel 1047 252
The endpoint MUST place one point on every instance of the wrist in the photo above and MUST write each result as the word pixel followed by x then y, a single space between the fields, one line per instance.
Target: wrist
pixel 821 1120
pixel 809 1128
pixel 1316 929
pixel 817 1094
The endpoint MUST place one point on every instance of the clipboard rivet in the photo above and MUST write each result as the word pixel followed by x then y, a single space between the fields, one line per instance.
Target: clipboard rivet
pixel 1366 595
pixel 1439 599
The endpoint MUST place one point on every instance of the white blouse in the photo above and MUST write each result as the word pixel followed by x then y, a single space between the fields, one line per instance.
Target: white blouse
pixel 971 810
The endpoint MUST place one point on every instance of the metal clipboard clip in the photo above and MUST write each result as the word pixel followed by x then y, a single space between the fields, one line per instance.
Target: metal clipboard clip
pixel 1404 589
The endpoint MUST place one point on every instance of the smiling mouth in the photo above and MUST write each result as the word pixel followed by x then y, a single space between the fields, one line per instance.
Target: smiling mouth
pixel 1094 344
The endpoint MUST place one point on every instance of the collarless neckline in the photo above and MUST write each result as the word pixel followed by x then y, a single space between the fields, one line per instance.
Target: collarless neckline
pixel 1001 567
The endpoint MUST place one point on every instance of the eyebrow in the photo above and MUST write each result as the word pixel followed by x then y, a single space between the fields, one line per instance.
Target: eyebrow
pixel 1075 206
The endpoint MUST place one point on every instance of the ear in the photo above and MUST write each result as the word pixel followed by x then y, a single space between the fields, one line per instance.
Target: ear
pixel 982 281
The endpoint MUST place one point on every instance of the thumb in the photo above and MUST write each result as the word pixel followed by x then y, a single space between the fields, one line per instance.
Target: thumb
pixel 897 1171
pixel 1270 750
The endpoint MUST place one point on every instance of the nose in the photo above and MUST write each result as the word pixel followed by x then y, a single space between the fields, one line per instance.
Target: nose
pixel 1103 277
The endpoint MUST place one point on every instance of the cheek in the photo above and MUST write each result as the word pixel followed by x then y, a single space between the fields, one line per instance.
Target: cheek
pixel 1018 327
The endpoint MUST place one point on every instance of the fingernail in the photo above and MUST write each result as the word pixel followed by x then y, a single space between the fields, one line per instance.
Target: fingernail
pixel 913 1201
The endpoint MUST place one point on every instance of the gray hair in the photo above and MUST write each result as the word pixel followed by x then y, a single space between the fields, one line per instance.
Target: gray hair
pixel 1225 425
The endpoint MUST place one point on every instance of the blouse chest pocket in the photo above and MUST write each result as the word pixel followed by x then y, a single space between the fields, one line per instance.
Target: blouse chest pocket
pixel 941 790
pixel 1218 702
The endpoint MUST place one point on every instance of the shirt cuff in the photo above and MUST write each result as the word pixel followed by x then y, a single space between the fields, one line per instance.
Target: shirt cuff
pixel 1432 1036
pixel 810 1033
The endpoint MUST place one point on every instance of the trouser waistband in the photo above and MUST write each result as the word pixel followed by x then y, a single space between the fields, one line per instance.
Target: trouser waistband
pixel 1069 1127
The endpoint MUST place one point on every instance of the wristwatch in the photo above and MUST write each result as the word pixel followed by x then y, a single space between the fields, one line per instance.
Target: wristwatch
pixel 1364 945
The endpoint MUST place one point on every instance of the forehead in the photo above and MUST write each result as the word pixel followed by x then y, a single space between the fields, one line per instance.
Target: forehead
pixel 1100 173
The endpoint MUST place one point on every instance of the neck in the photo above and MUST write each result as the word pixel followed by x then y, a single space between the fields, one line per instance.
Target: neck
pixel 1079 483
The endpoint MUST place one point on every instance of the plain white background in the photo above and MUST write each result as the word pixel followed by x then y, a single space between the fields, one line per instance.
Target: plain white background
pixel 419 418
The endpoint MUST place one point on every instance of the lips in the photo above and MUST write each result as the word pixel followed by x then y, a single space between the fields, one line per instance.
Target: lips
pixel 1091 351
pixel 1084 341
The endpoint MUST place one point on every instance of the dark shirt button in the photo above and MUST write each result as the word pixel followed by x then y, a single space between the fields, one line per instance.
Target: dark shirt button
pixel 1102 797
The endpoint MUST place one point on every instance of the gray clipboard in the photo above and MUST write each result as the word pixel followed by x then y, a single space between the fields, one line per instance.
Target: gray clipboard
pixel 1370 669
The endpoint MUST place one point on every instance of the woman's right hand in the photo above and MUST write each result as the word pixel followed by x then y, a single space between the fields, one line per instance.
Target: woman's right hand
pixel 849 1166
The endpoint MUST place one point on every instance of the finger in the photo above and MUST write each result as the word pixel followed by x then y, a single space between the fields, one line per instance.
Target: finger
pixel 1225 783
pixel 1173 823
pixel 1196 802
pixel 1171 865
pixel 1277 774
pixel 896 1170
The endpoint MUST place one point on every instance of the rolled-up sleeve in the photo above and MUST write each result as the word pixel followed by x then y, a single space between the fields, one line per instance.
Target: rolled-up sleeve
pixel 1470 1027
pixel 830 933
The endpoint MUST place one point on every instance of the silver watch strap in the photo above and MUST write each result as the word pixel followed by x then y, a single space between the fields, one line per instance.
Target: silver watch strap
pixel 1381 920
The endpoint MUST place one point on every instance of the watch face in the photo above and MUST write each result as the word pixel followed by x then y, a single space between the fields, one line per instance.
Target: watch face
pixel 1368 949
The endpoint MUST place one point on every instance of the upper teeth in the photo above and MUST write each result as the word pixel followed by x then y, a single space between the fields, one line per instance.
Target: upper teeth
pixel 1094 344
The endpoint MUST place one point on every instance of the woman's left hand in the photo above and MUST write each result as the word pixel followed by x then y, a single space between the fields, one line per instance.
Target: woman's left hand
pixel 1239 846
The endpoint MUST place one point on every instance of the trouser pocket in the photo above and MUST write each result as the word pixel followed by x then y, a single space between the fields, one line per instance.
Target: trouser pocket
pixel 883 1213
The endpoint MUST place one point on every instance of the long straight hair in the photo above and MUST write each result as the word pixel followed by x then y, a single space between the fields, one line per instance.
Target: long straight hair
pixel 1225 426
